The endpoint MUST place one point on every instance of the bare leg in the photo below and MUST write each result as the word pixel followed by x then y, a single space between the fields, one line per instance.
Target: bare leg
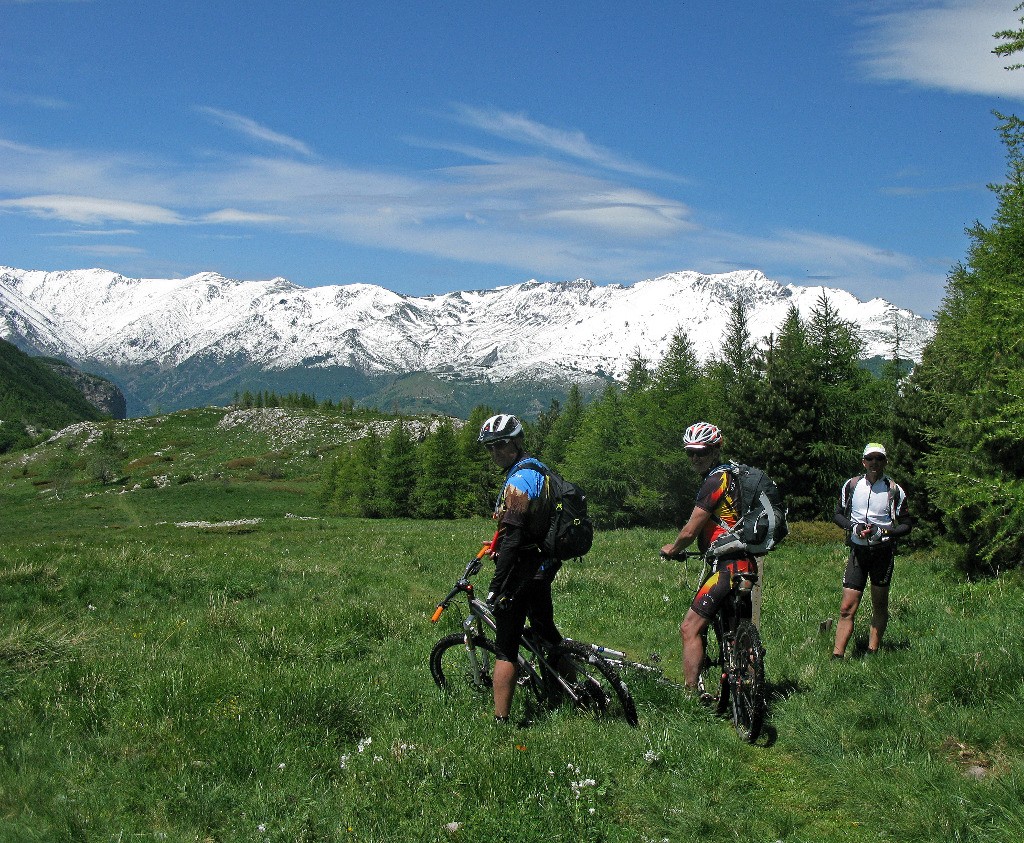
pixel 690 632
pixel 504 684
pixel 847 612
pixel 879 616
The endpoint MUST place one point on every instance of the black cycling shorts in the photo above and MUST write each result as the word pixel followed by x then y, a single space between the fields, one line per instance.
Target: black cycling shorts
pixel 869 561
pixel 716 588
pixel 533 601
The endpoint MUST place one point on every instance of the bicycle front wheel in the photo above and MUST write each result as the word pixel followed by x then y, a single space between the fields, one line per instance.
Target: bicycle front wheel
pixel 465 670
pixel 748 705
pixel 593 684
pixel 461 667
pixel 712 683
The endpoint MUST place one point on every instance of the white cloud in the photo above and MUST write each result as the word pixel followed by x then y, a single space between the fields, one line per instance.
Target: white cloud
pixel 108 251
pixel 944 44
pixel 34 101
pixel 545 215
pixel 520 128
pixel 90 209
pixel 249 127
pixel 232 216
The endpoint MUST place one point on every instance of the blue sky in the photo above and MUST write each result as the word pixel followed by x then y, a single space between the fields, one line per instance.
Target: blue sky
pixel 430 147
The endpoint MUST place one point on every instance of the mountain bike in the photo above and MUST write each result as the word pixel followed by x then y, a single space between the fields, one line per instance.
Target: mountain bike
pixel 571 672
pixel 732 673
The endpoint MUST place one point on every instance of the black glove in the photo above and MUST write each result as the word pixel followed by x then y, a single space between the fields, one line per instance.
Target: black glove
pixel 498 602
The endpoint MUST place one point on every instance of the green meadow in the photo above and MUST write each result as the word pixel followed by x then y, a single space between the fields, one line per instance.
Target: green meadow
pixel 194 653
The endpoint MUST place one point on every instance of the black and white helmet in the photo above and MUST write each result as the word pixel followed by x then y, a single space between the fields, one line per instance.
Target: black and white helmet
pixel 700 436
pixel 499 428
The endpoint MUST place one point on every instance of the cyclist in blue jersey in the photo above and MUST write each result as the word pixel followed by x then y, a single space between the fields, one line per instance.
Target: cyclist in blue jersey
pixel 521 587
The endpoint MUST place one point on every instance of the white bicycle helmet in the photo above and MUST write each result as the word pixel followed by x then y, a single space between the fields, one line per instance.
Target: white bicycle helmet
pixel 700 436
pixel 499 428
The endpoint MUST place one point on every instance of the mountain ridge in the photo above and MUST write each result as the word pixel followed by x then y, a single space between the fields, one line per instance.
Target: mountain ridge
pixel 531 331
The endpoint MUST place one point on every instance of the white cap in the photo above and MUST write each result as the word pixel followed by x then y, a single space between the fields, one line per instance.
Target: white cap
pixel 874 448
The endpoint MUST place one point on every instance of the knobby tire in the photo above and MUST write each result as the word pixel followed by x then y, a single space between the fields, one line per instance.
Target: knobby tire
pixel 595 682
pixel 712 682
pixel 451 667
pixel 748 704
pixel 453 672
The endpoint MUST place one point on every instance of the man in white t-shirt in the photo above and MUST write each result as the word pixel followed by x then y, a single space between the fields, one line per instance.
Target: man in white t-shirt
pixel 872 508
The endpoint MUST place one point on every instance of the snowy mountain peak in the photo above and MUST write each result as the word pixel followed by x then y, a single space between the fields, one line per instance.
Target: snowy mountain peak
pixel 533 329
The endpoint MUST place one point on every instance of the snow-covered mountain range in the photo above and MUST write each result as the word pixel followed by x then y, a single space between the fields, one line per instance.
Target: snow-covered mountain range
pixel 523 331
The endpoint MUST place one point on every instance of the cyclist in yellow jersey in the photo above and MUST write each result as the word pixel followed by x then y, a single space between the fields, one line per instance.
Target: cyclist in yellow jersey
pixel 714 512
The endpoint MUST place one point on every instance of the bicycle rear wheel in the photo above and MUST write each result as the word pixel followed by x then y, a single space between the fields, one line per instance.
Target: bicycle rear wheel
pixel 593 683
pixel 712 683
pixel 748 705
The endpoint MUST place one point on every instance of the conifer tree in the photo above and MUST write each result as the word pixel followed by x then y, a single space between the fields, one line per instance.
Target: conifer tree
pixel 564 430
pixel 357 478
pixel 542 429
pixel 438 489
pixel 971 380
pixel 107 460
pixel 678 395
pixel 777 430
pixel 329 485
pixel 846 408
pixel 733 382
pixel 396 473
pixel 480 475
pixel 595 459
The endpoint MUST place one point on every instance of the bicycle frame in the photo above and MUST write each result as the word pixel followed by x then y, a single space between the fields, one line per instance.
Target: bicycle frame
pixel 740 656
pixel 536 670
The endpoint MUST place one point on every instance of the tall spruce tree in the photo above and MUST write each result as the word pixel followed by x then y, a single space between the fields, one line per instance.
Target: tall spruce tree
pixel 439 490
pixel 357 478
pixel 971 380
pixel 845 408
pixel 564 430
pixel 679 394
pixel 396 473
pixel 479 472
pixel 595 459
pixel 777 430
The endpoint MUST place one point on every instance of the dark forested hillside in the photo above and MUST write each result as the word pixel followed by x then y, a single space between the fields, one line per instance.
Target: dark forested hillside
pixel 34 397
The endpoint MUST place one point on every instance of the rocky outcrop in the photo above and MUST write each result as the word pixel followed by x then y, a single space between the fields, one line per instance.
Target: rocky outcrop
pixel 101 393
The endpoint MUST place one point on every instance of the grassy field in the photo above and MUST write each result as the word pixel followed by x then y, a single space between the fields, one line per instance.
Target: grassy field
pixel 213 661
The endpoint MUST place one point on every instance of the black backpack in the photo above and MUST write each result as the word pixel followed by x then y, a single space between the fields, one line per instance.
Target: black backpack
pixel 571 533
pixel 762 516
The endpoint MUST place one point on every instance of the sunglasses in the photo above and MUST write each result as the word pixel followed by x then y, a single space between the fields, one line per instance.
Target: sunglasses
pixel 490 446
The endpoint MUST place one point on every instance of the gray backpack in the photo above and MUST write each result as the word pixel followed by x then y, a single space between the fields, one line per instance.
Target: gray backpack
pixel 762 520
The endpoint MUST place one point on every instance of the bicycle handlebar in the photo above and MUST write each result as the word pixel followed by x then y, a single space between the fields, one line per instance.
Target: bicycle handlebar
pixel 472 569
pixel 681 555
